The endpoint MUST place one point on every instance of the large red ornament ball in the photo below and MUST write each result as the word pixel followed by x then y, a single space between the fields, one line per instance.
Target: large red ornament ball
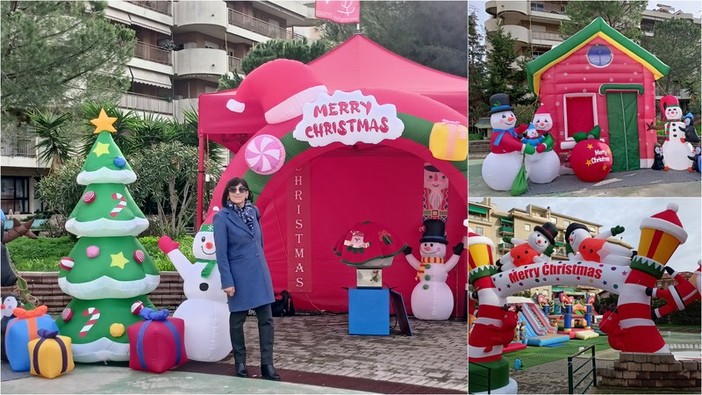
pixel 591 160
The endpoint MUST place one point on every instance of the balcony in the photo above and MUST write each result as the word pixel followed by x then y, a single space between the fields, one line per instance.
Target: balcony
pixel 498 7
pixel 152 53
pixel 506 230
pixel 162 7
pixel 19 146
pixel 504 246
pixel 208 61
pixel 518 33
pixel 201 14
pixel 235 64
pixel 135 101
pixel 259 26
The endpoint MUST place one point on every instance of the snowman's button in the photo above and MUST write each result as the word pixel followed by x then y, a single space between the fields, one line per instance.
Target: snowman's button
pixel 425 286
pixel 427 265
pixel 204 287
pixel 427 277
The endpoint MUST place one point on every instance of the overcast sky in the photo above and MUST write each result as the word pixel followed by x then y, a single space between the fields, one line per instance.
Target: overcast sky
pixel 694 7
pixel 627 212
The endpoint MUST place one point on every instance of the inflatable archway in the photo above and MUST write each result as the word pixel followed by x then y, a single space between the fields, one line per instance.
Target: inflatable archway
pixel 309 195
pixel 629 329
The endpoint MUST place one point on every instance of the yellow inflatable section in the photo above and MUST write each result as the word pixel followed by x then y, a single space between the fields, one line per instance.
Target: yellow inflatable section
pixel 50 356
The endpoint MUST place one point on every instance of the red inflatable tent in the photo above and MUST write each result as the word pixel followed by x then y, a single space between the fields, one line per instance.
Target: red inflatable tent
pixel 311 196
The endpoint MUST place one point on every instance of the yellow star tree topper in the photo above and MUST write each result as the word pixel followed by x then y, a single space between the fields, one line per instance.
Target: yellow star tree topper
pixel 103 122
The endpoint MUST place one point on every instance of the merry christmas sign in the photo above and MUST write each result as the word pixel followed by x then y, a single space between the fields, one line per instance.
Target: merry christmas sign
pixel 348 118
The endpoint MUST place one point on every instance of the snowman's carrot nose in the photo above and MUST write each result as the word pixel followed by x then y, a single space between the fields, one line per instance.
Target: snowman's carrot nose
pixel 208 245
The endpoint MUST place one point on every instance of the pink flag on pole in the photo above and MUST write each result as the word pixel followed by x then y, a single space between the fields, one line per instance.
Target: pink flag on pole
pixel 339 11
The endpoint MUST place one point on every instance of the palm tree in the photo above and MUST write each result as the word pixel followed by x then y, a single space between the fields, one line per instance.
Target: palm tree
pixel 54 142
pixel 124 125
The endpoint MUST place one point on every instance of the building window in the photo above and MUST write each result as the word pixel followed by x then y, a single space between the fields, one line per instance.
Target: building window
pixel 599 55
pixel 15 195
pixel 479 230
pixel 566 223
pixel 527 227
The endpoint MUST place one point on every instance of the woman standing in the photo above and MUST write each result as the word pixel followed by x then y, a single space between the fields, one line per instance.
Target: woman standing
pixel 245 276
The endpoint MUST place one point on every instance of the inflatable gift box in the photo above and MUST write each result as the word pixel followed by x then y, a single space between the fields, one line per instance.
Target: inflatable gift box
pixel 21 330
pixel 157 344
pixel 50 355
pixel 449 141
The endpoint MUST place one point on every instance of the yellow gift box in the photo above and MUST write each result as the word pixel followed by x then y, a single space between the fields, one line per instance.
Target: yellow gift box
pixel 449 141
pixel 50 356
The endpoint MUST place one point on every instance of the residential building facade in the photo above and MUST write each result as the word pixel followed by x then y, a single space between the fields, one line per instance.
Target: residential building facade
pixel 535 25
pixel 182 49
pixel 486 219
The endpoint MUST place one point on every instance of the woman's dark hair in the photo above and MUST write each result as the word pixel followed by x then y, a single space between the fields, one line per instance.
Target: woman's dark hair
pixel 232 183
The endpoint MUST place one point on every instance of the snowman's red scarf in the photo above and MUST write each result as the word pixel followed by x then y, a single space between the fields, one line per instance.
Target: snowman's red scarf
pixel 427 260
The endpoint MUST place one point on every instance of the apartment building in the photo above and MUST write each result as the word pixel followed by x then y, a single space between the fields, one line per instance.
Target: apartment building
pixel 535 25
pixel 486 219
pixel 182 49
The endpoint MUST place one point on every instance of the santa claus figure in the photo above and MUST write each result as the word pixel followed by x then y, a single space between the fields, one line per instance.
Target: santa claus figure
pixel 581 246
pixel 536 249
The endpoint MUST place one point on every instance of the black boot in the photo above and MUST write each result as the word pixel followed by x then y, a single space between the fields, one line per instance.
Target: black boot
pixel 268 372
pixel 240 369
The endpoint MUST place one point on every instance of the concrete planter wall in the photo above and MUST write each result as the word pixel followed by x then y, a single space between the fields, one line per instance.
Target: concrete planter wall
pixel 44 286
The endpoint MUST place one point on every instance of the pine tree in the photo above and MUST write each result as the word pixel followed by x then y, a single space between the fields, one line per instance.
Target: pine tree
pixel 108 270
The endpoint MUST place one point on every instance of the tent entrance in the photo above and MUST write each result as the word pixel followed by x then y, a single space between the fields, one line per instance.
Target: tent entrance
pixel 623 130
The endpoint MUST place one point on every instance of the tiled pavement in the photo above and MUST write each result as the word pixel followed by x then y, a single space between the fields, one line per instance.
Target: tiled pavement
pixel 315 353
pixel 435 356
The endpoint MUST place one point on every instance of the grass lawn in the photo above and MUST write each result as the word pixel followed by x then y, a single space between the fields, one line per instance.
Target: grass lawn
pixel 534 356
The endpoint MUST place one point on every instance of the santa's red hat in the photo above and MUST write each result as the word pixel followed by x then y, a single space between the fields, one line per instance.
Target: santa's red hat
pixel 474 238
pixel 667 101
pixel 281 86
pixel 541 109
pixel 667 221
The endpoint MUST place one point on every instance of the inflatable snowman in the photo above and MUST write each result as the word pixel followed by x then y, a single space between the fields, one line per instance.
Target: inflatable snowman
pixel 431 298
pixel 502 164
pixel 675 148
pixel 537 248
pixel 580 245
pixel 544 165
pixel 205 310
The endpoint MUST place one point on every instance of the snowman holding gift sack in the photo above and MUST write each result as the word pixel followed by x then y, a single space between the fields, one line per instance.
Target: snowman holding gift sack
pixel 504 161
pixel 432 298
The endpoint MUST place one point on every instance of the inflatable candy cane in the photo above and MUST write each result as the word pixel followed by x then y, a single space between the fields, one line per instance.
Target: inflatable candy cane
pixel 121 205
pixel 94 314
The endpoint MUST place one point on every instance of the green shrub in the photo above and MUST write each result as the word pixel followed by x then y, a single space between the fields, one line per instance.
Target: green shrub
pixel 43 254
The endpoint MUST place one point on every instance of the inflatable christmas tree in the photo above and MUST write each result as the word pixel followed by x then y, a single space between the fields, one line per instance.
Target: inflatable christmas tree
pixel 108 270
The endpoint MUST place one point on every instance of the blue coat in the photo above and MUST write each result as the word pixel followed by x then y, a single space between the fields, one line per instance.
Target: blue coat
pixel 241 261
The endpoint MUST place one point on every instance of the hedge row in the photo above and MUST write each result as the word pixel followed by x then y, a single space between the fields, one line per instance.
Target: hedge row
pixel 43 254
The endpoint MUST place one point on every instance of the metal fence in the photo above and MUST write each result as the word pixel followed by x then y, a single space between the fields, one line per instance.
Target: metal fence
pixel 587 363
pixel 19 146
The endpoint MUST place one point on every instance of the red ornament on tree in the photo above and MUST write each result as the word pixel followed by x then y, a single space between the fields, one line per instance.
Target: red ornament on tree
pixel 591 159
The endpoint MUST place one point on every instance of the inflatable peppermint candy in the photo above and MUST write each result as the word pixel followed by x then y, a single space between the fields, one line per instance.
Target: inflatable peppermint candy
pixel 265 154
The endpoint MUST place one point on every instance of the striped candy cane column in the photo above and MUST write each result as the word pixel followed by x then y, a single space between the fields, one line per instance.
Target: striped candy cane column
pixel 661 234
pixel 94 314
pixel 494 326
pixel 120 205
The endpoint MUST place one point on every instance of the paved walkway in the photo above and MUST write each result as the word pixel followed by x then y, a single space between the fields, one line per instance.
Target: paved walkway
pixel 635 183
pixel 434 358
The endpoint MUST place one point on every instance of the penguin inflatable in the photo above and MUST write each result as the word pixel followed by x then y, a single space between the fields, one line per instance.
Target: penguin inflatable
pixel 658 158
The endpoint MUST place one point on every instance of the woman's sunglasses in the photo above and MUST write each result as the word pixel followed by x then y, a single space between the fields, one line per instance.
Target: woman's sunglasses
pixel 241 189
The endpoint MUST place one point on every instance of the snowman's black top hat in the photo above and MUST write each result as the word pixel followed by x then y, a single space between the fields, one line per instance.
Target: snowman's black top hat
pixel 499 102
pixel 435 232
pixel 549 231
